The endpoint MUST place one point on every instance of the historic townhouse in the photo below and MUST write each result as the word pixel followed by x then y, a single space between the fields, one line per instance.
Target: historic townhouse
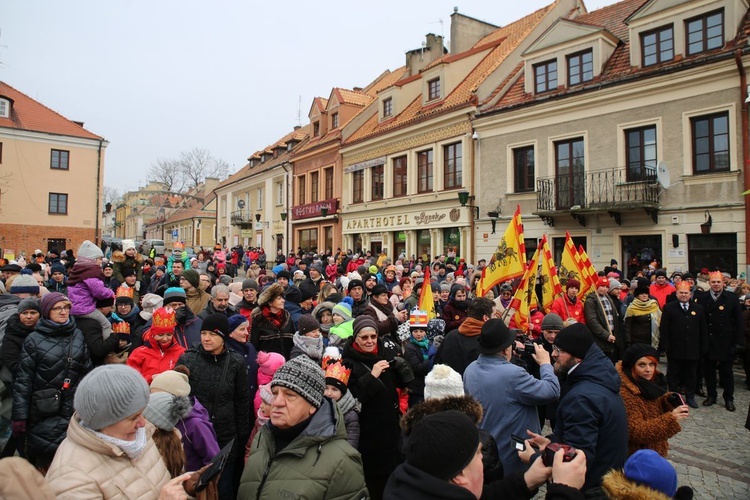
pixel 627 127
pixel 252 203
pixel 317 165
pixel 51 176
pixel 405 166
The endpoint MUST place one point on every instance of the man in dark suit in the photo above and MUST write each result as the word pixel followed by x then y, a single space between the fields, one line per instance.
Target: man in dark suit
pixel 683 335
pixel 726 332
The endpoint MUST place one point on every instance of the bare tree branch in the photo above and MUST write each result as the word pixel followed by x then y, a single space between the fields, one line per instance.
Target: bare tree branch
pixel 169 173
pixel 197 164
pixel 111 195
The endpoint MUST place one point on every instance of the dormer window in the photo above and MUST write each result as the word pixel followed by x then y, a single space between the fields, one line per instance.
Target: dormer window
pixel 433 89
pixel 580 67
pixel 545 76
pixel 705 32
pixel 316 129
pixel 388 106
pixel 658 45
pixel 251 163
pixel 4 108
pixel 335 120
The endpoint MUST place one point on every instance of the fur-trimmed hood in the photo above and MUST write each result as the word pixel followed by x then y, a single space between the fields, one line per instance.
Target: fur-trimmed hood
pixel 465 404
pixel 616 485
pixel 119 256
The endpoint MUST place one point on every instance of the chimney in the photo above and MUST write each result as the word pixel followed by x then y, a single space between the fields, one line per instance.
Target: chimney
pixel 432 49
pixel 467 31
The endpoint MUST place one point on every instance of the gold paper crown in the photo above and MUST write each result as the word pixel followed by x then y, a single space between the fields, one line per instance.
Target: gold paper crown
pixel 121 327
pixel 715 275
pixel 178 246
pixel 124 291
pixel 163 320
pixel 339 372
pixel 683 285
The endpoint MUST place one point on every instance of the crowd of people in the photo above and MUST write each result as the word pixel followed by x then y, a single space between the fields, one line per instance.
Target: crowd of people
pixel 325 376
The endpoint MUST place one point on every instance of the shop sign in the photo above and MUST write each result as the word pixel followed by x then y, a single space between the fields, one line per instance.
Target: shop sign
pixel 310 210
pixel 246 233
pixel 376 237
pixel 406 220
pixel 401 236
pixel 364 164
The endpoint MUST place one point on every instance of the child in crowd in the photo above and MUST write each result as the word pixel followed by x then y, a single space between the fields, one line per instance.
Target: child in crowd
pixel 419 353
pixel 268 363
pixel 343 323
pixel 262 415
pixel 160 350
pixel 307 340
pixel 337 378
pixel 164 410
pixel 86 286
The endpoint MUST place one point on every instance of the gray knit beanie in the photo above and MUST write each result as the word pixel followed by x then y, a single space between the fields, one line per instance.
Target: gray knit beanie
pixel 109 394
pixel 90 251
pixel 303 376
pixel 164 410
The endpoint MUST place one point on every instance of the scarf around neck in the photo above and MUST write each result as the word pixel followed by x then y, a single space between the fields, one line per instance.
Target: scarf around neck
pixel 641 308
pixel 312 347
pixel 277 320
pixel 650 389
pixel 423 345
pixel 132 449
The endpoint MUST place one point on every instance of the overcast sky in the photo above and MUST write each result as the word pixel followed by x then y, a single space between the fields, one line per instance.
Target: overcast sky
pixel 156 78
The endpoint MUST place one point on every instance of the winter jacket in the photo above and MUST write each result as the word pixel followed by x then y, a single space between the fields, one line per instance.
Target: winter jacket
pixel 650 421
pixel 121 262
pixel 683 335
pixel 509 395
pixel 660 292
pixel 54 286
pixel 8 307
pixel 413 355
pixel 152 359
pixel 638 329
pixel 379 418
pixel 86 466
pixel 86 286
pixel 15 335
pixel 591 416
pixel 454 315
pixel 384 318
pixel 43 366
pixel 563 307
pixel 616 486
pixel 460 347
pixel 350 407
pixel 20 479
pixel 197 300
pixel 198 437
pixel 726 326
pixel 409 483
pixel 596 321
pixel 295 311
pixel 246 309
pixel 339 334
pixel 250 355
pixel 358 308
pixel 319 463
pixel 231 411
pixel 99 347
pixel 265 336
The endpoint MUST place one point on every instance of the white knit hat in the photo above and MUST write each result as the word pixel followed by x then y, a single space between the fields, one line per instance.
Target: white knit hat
pixel 441 382
pixel 90 251
pixel 127 244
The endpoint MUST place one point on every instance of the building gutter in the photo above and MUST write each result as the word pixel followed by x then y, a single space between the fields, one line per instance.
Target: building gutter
pixel 745 151
pixel 98 190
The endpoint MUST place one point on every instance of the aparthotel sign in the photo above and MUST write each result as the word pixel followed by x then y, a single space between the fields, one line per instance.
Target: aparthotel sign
pixel 405 220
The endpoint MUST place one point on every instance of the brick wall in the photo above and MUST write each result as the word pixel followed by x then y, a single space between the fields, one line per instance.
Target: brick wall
pixel 18 237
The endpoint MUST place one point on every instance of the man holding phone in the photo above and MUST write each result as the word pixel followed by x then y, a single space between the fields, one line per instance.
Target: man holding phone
pixel 508 393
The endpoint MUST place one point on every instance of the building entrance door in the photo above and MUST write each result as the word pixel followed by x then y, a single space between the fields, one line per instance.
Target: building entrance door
pixel 638 251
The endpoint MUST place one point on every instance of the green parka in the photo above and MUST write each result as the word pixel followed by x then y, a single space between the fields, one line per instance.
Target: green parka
pixel 319 463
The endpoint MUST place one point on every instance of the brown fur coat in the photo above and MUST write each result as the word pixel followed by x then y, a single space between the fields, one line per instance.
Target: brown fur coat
pixel 650 422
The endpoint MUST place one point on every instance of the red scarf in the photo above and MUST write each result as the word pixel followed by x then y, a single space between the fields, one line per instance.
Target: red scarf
pixel 277 320
pixel 356 347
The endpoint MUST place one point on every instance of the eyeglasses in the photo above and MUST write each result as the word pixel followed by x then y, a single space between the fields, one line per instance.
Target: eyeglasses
pixel 60 309
pixel 556 349
pixel 369 337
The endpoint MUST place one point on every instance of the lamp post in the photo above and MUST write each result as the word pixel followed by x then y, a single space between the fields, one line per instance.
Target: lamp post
pixel 494 215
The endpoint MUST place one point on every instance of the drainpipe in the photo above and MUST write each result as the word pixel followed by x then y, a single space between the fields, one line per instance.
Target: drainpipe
pixel 745 152
pixel 98 190
pixel 288 179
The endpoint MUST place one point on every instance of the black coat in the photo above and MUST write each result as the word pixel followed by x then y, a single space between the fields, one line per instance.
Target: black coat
pixel 15 335
pixel 265 336
pixel 726 325
pixel 458 351
pixel 419 366
pixel 98 347
pixel 683 335
pixel 379 418
pixel 43 366
pixel 231 411
pixel 591 416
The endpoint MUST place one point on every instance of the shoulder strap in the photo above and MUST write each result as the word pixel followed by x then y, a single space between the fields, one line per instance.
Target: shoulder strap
pixel 218 389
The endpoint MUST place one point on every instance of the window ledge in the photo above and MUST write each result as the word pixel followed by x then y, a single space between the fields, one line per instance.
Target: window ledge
pixel 528 195
pixel 691 180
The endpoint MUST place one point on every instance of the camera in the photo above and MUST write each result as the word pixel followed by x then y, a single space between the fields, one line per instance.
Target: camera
pixel 548 457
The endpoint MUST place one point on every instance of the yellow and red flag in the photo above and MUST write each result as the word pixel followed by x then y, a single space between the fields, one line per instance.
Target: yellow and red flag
pixel 426 300
pixel 525 295
pixel 509 260
pixel 570 264
pixel 551 288
pixel 588 267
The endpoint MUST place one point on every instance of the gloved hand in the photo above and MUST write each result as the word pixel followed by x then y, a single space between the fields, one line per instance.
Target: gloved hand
pixel 431 351
pixel 19 427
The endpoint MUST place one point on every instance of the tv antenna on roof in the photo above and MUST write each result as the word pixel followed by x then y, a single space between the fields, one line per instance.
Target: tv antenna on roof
pixel 299 112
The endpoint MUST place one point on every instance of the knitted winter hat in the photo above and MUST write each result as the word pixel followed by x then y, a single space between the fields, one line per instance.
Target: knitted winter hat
pixel 29 303
pixel 573 283
pixel 284 274
pixel 88 250
pixel 648 468
pixel 269 362
pixel 636 352
pixel 575 339
pixel 173 382
pixel 24 283
pixel 174 294
pixel 126 245
pixel 164 410
pixel 303 376
pixel 265 393
pixel 128 271
pixel 443 381
pixel 109 394
pixel 552 321
pixel 49 301
pixel 192 276
pixel 217 323
pixel 250 283
pixel 307 323
pixel 235 321
pixel 56 268
pixel 344 309
pixel 293 294
pixel 443 444
pixel 151 302
pixel 355 282
pixel 614 284
pixel 362 322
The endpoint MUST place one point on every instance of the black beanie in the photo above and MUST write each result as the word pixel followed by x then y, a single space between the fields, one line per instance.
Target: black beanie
pixel 443 444
pixel 354 283
pixel 575 340
pixel 217 323
pixel 636 352
pixel 307 323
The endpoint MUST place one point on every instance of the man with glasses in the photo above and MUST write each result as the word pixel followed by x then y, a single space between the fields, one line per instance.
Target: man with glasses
pixel 591 415
pixel 219 303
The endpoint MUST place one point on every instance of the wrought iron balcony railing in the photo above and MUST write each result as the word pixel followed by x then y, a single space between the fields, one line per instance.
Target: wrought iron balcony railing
pixel 241 218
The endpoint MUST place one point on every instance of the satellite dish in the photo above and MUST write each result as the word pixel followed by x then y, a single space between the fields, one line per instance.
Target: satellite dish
pixel 662 175
pixel 241 204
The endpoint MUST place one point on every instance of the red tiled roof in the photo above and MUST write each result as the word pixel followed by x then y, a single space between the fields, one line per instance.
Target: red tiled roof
pixel 354 97
pixel 498 45
pixel 28 114
pixel 618 67
pixel 385 80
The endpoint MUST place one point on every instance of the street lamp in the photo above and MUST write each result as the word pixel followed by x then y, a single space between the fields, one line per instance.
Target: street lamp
pixel 324 211
pixel 464 198
pixel 257 217
pixel 283 216
pixel 494 215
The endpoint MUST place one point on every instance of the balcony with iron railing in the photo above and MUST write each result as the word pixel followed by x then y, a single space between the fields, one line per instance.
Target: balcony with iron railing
pixel 613 191
pixel 242 218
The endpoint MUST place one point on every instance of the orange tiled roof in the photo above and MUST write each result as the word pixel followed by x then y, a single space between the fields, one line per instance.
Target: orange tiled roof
pixel 618 67
pixel 385 80
pixel 28 114
pixel 499 44
pixel 354 97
